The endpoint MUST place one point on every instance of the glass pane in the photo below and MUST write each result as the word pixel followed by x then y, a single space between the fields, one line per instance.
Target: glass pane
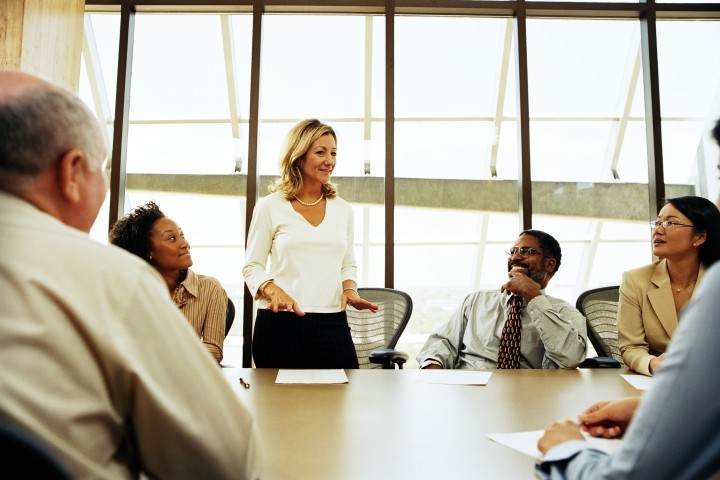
pixel 588 150
pixel 180 110
pixel 463 148
pixel 103 34
pixel 183 129
pixel 309 76
pixel 181 149
pixel 98 83
pixel 300 80
pixel 370 244
pixel 689 102
pixel 435 77
pixel 455 138
pixel 169 66
pixel 456 143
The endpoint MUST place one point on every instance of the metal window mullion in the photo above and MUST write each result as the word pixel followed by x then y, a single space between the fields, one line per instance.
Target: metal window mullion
pixel 524 175
pixel 252 175
pixel 389 143
pixel 648 47
pixel 118 175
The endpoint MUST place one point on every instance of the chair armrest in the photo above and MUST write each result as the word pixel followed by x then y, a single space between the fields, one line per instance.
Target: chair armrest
pixel 388 357
pixel 600 362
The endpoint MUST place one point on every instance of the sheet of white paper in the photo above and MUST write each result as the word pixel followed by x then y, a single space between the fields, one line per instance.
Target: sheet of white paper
pixel 641 382
pixel 526 442
pixel 453 377
pixel 311 376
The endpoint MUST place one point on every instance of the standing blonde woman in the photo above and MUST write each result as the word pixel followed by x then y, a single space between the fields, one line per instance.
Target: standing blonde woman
pixel 307 231
pixel 686 238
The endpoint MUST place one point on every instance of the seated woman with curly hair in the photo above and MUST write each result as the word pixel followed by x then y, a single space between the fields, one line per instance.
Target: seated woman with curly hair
pixel 150 235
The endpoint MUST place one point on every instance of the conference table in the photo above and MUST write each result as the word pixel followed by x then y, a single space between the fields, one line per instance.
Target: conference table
pixel 390 424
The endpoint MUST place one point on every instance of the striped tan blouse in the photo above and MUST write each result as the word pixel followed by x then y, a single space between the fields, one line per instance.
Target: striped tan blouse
pixel 203 301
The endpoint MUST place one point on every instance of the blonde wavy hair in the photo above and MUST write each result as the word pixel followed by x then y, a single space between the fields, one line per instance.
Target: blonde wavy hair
pixel 297 143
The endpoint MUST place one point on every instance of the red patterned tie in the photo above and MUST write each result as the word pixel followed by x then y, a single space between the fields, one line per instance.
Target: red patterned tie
pixel 509 354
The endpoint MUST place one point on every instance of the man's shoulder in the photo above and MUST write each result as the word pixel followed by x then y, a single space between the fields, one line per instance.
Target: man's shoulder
pixel 122 266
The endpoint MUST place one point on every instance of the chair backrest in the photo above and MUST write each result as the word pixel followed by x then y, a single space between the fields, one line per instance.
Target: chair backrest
pixel 600 307
pixel 229 316
pixel 381 329
pixel 22 452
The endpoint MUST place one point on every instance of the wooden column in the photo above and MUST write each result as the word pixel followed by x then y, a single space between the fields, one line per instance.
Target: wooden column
pixel 43 37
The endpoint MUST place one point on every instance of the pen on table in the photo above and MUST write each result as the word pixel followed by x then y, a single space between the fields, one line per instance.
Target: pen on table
pixel 244 383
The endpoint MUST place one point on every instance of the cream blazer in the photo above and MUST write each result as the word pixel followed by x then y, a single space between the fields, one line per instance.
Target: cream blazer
pixel 646 315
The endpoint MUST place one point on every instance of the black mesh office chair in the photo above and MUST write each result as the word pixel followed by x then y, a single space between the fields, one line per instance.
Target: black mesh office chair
pixel 376 333
pixel 229 319
pixel 229 316
pixel 24 456
pixel 600 307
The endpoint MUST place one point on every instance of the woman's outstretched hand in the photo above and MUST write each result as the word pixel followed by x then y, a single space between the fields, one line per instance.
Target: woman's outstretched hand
pixel 351 297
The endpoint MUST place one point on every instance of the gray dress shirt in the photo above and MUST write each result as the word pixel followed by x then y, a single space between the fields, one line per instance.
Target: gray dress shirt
pixel 554 334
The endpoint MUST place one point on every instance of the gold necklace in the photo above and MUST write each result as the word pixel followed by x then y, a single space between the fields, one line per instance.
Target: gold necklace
pixel 322 195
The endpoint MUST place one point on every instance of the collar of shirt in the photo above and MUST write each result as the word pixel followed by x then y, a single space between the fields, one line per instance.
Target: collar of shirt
pixel 189 287
pixel 507 300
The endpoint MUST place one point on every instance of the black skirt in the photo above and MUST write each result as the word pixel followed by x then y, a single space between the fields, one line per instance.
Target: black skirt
pixel 313 341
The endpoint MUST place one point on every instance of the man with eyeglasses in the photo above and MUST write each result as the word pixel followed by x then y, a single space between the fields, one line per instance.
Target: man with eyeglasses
pixel 553 332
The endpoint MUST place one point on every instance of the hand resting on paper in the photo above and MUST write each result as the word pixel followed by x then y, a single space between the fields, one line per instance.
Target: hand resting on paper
pixel 559 432
pixel 607 419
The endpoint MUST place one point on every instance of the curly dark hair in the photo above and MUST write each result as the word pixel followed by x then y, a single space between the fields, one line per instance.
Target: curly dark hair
pixel 132 232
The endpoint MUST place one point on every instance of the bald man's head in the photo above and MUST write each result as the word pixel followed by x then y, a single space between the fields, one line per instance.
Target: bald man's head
pixel 39 122
pixel 51 149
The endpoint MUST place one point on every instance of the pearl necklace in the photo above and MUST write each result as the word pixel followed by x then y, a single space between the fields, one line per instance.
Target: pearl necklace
pixel 322 195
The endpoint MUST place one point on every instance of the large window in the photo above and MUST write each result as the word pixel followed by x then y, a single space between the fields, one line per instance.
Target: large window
pixel 451 80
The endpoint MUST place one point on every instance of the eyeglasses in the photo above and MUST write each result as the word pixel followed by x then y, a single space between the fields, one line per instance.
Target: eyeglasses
pixel 668 224
pixel 524 251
